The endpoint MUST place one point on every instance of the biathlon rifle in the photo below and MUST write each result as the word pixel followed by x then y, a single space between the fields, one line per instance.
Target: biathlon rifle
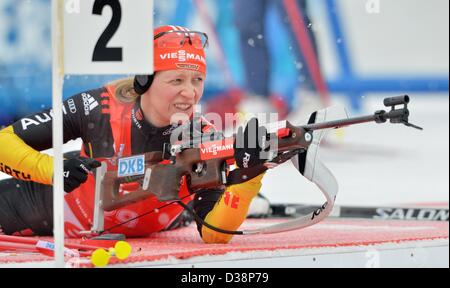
pixel 206 164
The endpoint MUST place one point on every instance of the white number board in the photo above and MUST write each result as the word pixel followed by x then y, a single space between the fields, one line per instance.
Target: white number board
pixel 108 36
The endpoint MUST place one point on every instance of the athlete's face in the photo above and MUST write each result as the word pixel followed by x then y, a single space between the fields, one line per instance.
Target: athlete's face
pixel 172 96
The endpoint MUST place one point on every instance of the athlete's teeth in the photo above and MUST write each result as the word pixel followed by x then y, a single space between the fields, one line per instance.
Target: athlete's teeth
pixel 182 106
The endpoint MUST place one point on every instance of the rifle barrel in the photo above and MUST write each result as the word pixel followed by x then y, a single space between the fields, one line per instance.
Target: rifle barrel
pixel 340 123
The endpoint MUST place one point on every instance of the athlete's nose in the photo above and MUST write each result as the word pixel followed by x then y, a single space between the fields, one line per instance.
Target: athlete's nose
pixel 189 92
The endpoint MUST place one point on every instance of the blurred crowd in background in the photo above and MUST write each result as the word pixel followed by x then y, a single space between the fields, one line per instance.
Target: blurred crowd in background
pixel 264 55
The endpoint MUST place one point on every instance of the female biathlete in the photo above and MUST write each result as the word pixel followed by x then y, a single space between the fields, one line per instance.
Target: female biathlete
pixel 125 117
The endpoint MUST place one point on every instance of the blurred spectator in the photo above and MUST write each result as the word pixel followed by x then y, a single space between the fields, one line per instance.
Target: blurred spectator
pixel 250 19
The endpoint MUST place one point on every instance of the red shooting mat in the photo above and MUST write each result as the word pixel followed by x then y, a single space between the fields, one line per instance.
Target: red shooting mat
pixel 186 243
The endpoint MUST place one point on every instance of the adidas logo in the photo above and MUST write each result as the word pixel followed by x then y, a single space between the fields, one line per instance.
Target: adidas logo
pixel 89 103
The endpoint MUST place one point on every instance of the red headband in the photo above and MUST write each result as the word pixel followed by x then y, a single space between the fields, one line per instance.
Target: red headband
pixel 186 56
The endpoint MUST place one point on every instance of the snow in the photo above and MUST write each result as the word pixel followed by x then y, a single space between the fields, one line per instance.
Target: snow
pixel 379 164
pixel 407 254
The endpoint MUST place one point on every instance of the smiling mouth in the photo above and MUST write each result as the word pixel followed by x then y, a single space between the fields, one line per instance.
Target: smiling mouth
pixel 183 107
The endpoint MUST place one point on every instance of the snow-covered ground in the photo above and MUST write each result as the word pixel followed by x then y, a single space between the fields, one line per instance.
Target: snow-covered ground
pixel 379 164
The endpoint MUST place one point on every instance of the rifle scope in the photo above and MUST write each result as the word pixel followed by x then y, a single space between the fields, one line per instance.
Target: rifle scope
pixel 399 100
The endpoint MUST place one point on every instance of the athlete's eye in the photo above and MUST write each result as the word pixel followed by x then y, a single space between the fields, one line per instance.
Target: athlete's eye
pixel 177 81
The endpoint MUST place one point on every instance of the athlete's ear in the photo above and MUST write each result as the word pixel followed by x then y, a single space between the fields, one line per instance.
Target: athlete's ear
pixel 142 83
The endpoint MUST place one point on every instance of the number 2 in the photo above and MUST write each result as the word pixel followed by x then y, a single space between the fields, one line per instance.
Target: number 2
pixel 101 52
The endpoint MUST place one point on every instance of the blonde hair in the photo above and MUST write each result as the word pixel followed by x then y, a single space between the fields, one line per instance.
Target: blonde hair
pixel 125 92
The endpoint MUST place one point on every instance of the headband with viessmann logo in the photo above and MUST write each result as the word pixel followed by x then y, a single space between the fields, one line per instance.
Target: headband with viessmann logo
pixel 179 48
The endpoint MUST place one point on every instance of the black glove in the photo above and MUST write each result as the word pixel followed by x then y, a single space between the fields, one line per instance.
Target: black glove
pixel 76 171
pixel 249 144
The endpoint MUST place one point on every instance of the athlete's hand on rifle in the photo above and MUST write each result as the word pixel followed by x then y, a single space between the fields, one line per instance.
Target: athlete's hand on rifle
pixel 251 146
pixel 76 171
